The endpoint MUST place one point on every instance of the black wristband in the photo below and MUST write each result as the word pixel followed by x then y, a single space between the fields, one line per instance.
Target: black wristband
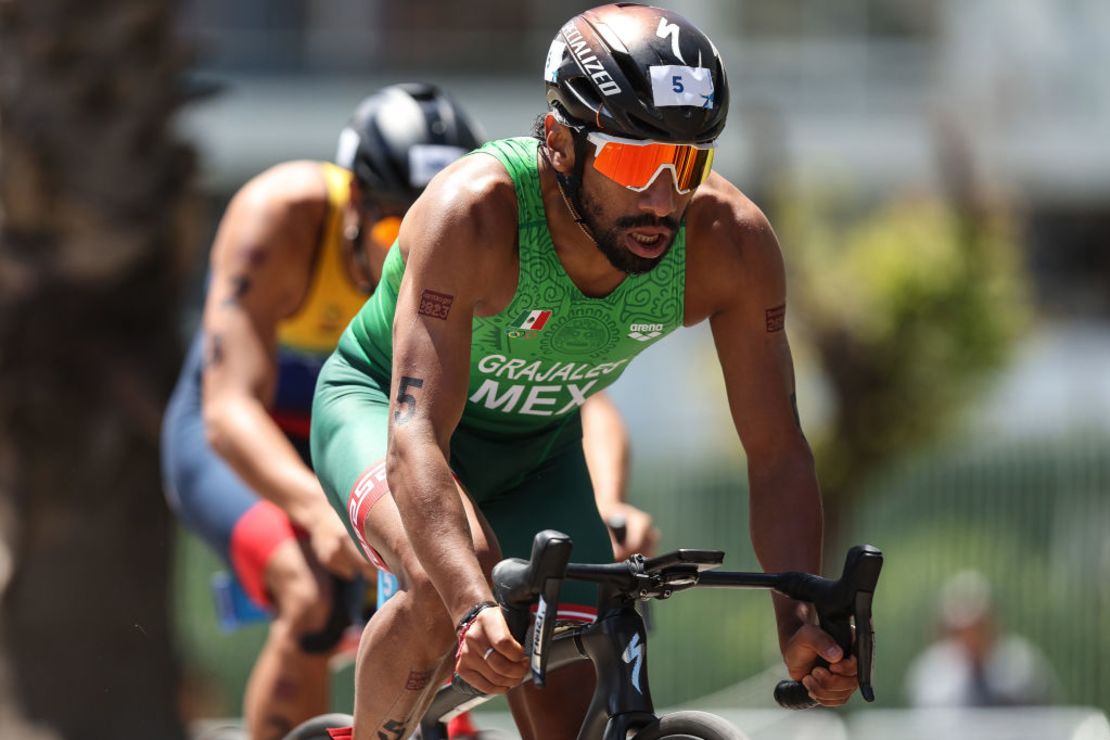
pixel 470 616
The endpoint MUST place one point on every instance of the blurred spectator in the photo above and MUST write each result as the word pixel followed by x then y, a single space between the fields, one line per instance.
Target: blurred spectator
pixel 974 664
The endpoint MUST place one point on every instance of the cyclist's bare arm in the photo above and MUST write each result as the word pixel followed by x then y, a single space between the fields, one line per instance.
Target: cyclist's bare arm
pixel 260 268
pixel 458 242
pixel 737 280
pixel 605 441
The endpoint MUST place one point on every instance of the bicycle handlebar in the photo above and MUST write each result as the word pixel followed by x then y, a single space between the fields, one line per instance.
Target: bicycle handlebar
pixel 517 584
pixel 839 604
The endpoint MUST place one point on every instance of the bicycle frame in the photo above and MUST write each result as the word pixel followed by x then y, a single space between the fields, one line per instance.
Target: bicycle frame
pixel 617 646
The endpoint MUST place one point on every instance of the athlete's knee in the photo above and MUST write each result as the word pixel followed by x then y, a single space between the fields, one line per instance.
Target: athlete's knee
pixel 303 604
pixel 312 617
pixel 422 608
pixel 324 639
pixel 302 596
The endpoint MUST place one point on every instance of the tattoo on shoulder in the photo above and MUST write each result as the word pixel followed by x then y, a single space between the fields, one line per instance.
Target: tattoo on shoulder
pixel 393 729
pixel 406 402
pixel 436 305
pixel 214 351
pixel 240 286
pixel 776 318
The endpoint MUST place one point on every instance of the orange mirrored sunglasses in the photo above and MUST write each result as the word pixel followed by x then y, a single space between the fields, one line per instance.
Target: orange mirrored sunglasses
pixel 635 163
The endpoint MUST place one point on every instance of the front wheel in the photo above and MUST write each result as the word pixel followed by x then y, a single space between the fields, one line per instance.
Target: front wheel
pixel 699 725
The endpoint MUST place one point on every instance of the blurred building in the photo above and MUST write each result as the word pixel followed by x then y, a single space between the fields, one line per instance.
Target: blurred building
pixel 855 84
pixel 862 91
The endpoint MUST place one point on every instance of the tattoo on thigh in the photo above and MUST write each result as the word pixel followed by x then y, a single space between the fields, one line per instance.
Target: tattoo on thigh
pixel 436 305
pixel 417 680
pixel 776 318
pixel 406 402
pixel 393 729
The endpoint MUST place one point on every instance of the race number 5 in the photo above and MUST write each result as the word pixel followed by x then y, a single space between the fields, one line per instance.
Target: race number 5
pixel 676 84
pixel 406 402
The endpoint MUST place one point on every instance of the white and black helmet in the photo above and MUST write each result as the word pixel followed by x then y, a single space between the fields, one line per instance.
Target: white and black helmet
pixel 401 136
pixel 637 71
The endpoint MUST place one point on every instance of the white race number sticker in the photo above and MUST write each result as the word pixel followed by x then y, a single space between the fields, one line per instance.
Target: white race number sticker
pixel 674 84
pixel 426 160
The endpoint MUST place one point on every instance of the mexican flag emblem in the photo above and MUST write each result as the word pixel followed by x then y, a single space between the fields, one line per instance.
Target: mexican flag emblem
pixel 531 320
pixel 528 324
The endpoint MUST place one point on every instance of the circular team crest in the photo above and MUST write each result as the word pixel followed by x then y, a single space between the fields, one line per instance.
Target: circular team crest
pixel 581 335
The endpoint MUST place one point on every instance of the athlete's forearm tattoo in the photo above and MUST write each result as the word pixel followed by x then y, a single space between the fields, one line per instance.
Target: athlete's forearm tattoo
pixel 406 402
pixel 417 680
pixel 214 352
pixel 776 318
pixel 240 286
pixel 436 305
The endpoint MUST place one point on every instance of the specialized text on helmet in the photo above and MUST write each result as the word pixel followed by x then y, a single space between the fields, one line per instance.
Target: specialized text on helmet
pixel 588 61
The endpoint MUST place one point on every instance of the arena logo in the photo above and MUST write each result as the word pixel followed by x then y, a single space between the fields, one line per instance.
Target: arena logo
pixel 645 332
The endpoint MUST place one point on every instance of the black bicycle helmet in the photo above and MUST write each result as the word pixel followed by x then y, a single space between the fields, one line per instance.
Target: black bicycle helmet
pixel 401 136
pixel 637 71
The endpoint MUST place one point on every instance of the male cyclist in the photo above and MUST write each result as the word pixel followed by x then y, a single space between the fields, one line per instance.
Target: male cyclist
pixel 446 424
pixel 296 255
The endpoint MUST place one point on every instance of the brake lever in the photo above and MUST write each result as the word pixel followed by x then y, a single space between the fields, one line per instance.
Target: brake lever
pixel 547 610
pixel 838 604
pixel 865 626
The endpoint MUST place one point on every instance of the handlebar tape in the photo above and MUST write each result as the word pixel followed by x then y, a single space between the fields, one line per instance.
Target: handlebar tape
pixel 793 695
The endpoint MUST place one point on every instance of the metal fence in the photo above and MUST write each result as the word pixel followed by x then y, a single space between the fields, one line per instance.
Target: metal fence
pixel 1033 517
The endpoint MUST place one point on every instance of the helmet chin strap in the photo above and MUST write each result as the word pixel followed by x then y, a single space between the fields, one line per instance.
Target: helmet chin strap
pixel 570 187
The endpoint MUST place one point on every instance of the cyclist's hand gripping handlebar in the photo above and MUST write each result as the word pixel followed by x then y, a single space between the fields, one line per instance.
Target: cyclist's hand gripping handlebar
pixel 517 583
pixel 838 604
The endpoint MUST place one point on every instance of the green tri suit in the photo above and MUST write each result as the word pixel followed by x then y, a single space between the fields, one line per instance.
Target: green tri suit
pixel 518 447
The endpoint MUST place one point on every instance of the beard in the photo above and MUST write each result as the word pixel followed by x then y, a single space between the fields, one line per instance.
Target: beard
pixel 607 240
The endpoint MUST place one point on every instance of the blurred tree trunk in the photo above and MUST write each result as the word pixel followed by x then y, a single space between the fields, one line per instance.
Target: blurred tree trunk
pixel 93 194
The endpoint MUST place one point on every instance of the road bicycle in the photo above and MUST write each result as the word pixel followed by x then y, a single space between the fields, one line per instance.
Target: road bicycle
pixel 616 643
